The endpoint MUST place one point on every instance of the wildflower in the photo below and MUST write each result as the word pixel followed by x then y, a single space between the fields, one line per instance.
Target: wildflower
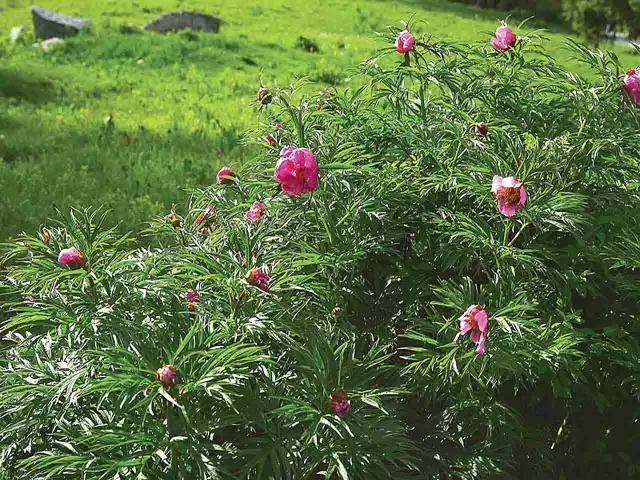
pixel 224 176
pixel 277 125
pixel 255 212
pixel 258 277
pixel 405 42
pixel 167 375
pixel 511 194
pixel 505 38
pixel 191 295
pixel 340 403
pixel 476 321
pixel 297 170
pixel 264 95
pixel 192 298
pixel 482 129
pixel 632 84
pixel 72 258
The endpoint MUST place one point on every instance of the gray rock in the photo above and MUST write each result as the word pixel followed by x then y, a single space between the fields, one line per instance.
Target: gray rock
pixel 17 34
pixel 48 24
pixel 174 21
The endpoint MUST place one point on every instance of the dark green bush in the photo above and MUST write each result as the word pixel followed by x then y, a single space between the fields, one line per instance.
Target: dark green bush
pixel 369 274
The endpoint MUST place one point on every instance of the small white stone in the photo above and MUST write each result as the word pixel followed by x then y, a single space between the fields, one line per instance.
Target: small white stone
pixel 51 44
pixel 17 34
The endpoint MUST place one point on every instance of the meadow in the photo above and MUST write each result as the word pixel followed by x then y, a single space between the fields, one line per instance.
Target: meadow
pixel 127 120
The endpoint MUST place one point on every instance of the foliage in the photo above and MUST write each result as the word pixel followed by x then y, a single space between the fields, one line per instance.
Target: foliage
pixel 369 274
pixel 180 104
pixel 592 17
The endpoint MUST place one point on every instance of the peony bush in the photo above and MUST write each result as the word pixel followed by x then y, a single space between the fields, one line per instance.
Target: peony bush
pixel 435 275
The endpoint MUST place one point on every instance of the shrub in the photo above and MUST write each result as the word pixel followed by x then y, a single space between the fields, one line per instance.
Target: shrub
pixel 316 338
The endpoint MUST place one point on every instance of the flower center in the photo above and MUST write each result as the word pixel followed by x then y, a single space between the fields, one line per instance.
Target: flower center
pixel 473 323
pixel 511 195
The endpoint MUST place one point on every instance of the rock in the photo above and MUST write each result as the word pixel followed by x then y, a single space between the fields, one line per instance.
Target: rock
pixel 17 34
pixel 48 24
pixel 50 44
pixel 174 21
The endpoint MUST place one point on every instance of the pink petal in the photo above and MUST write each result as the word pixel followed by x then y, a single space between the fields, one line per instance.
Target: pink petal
pixel 496 184
pixel 511 182
pixel 483 320
pixel 506 209
pixel 480 349
pixel 476 336
pixel 523 195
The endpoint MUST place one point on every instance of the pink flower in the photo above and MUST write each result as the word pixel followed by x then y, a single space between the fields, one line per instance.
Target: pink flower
pixel 258 277
pixel 263 95
pixel 504 39
pixel 277 125
pixel 167 375
pixel 191 295
pixel 405 42
pixel 510 193
pixel 476 321
pixel 632 84
pixel 224 176
pixel 270 139
pixel 340 403
pixel 482 129
pixel 29 299
pixel 72 257
pixel 255 212
pixel 297 170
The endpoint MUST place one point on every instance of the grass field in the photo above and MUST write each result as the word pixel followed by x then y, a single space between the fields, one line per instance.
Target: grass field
pixel 180 104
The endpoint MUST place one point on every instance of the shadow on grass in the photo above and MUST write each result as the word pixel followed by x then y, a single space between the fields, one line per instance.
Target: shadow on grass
pixel 25 85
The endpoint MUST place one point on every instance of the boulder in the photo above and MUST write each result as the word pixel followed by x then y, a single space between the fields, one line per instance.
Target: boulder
pixel 48 24
pixel 17 34
pixel 174 21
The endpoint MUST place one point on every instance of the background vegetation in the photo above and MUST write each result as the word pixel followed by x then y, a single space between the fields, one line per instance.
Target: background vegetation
pixel 128 120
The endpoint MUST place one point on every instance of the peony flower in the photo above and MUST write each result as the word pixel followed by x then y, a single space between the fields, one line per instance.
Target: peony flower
pixel 405 42
pixel 72 258
pixel 297 170
pixel 482 129
pixel 191 295
pixel 204 221
pixel 270 139
pixel 510 193
pixel 29 299
pixel 277 125
pixel 224 176
pixel 258 277
pixel 476 321
pixel 255 212
pixel 340 403
pixel 167 375
pixel 632 84
pixel 264 95
pixel 504 39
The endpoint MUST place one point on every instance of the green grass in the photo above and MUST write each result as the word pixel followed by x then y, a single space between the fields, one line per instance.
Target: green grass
pixel 180 103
